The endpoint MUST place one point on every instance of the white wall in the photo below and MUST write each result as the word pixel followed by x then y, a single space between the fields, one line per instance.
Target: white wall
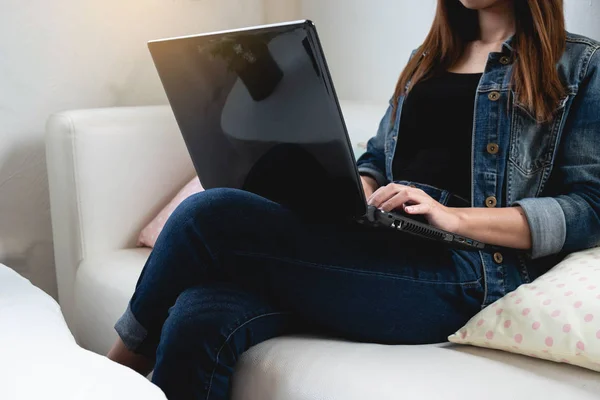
pixel 368 41
pixel 67 54
pixel 282 10
pixel 583 17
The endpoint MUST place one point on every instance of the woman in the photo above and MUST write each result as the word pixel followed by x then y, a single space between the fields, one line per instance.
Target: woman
pixel 499 106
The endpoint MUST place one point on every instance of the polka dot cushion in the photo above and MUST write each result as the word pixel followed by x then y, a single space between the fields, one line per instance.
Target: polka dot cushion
pixel 555 318
pixel 150 233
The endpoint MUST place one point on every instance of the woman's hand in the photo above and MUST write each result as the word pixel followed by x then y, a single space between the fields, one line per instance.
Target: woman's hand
pixel 507 227
pixel 414 201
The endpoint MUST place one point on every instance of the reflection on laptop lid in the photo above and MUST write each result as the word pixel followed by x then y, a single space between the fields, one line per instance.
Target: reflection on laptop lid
pixel 258 112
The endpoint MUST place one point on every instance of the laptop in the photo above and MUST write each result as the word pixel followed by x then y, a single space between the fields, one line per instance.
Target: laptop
pixel 258 112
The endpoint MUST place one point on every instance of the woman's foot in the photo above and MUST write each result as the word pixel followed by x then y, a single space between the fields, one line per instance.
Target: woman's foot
pixel 122 355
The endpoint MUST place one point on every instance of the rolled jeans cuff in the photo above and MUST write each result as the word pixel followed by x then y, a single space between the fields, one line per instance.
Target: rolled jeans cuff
pixel 131 332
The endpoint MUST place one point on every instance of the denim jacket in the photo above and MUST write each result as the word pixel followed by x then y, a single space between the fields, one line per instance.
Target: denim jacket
pixel 551 170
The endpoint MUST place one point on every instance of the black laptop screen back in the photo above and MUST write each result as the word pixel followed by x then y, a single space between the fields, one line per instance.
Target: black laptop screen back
pixel 258 112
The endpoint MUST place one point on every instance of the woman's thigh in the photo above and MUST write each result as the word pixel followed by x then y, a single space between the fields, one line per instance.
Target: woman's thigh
pixel 357 282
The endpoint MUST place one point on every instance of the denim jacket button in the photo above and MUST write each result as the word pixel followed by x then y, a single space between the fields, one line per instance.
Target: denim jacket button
pixel 494 96
pixel 504 60
pixel 493 148
pixel 491 202
pixel 498 258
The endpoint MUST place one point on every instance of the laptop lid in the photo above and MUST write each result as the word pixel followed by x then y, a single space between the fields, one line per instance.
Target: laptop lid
pixel 258 112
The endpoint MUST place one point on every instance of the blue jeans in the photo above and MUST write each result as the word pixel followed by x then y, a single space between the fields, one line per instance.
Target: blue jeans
pixel 232 269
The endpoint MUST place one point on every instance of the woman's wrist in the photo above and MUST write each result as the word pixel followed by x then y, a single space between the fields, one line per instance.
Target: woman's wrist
pixel 454 220
pixel 369 185
pixel 461 220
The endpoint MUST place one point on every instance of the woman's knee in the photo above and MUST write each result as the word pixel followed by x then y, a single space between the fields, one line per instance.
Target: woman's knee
pixel 220 202
pixel 207 205
pixel 218 211
pixel 212 200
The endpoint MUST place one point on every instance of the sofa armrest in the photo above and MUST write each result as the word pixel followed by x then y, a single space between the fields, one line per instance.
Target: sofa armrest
pixel 110 171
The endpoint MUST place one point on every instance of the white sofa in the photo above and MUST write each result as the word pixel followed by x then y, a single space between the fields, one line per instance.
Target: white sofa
pixel 39 358
pixel 111 170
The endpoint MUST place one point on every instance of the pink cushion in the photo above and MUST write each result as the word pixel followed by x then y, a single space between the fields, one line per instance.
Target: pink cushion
pixel 150 233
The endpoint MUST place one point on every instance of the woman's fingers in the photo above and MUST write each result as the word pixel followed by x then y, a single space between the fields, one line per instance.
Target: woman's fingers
pixel 394 196
pixel 403 197
pixel 418 209
pixel 383 194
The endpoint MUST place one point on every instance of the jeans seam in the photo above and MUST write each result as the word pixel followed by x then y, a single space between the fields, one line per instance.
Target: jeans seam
pixel 203 240
pixel 485 281
pixel 468 284
pixel 212 375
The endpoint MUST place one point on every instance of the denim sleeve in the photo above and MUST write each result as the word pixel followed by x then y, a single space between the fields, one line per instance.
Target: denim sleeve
pixel 548 225
pixel 372 162
pixel 571 221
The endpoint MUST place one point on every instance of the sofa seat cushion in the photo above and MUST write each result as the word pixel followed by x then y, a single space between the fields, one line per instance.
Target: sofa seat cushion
pixel 299 368
pixel 296 368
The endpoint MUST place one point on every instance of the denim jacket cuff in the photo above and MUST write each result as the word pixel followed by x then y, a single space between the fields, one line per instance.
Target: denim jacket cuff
pixel 373 172
pixel 547 223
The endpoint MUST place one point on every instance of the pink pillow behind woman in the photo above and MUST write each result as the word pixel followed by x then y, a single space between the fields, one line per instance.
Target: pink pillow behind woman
pixel 150 233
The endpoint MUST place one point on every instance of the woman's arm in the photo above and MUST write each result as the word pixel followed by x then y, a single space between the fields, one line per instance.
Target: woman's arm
pixel 568 219
pixel 372 162
pixel 507 227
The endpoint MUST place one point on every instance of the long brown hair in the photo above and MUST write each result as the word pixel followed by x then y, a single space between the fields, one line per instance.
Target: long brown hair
pixel 539 42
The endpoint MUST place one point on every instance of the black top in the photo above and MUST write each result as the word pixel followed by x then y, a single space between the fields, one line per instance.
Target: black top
pixel 436 126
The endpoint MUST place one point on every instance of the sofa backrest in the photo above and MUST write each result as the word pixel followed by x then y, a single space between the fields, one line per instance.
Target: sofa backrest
pixel 110 170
